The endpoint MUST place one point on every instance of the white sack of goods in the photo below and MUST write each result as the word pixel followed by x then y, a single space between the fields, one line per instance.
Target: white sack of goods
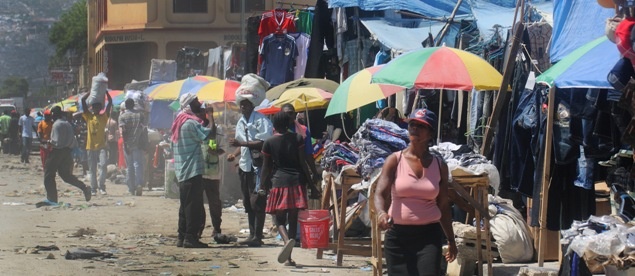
pixel 252 88
pixel 162 70
pixel 140 100
pixel 510 231
pixel 98 89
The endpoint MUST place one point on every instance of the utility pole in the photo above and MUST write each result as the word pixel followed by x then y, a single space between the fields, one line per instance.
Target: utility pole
pixel 242 21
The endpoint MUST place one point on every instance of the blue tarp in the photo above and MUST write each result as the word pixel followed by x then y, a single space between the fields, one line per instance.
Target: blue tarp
pixel 591 69
pixel 161 115
pixel 576 22
pixel 431 8
pixel 401 35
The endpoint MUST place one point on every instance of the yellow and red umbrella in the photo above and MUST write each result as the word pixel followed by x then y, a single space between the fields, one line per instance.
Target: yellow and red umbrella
pixel 217 91
pixel 440 68
pixel 172 90
pixel 357 91
pixel 304 98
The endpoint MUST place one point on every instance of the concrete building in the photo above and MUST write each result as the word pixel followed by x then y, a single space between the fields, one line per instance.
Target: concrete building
pixel 124 35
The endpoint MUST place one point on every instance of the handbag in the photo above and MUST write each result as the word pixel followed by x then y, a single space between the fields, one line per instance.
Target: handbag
pixel 256 155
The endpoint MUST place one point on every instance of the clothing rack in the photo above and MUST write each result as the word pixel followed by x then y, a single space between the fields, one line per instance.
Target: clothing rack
pixel 292 4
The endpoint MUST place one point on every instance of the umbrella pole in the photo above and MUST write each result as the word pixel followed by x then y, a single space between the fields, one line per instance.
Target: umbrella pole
pixel 306 114
pixel 439 118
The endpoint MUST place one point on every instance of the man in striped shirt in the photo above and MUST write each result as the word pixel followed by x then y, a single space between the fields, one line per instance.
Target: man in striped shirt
pixel 188 132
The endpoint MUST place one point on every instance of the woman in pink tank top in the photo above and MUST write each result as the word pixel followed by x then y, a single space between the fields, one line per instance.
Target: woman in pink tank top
pixel 412 203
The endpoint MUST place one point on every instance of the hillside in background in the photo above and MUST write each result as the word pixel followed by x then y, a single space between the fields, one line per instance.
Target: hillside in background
pixel 24 44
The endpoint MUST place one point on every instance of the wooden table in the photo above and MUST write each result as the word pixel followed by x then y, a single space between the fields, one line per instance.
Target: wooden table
pixel 341 221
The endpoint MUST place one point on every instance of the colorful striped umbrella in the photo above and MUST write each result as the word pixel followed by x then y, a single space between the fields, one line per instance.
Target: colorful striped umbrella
pixel 585 67
pixel 172 90
pixel 217 91
pixel 440 68
pixel 358 91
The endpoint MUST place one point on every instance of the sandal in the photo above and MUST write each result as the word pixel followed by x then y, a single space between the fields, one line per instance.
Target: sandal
pixel 285 253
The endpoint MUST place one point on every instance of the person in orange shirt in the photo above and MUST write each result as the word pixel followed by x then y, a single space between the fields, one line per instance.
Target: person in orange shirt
pixel 44 129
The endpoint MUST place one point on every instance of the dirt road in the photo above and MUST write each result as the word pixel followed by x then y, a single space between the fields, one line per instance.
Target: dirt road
pixel 139 233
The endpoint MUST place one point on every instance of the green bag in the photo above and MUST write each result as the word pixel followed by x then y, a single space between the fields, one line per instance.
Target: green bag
pixel 212 161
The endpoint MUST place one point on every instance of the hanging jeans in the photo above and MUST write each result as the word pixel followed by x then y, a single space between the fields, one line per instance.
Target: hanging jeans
pixel 524 123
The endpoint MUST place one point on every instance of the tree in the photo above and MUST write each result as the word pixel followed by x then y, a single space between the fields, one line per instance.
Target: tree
pixel 14 87
pixel 70 33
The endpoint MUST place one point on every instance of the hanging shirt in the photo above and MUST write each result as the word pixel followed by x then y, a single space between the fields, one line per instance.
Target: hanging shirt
pixel 302 42
pixel 278 55
pixel 304 23
pixel 276 21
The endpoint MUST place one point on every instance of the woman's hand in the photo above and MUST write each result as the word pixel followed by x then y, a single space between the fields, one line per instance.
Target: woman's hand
pixel 384 220
pixel 452 251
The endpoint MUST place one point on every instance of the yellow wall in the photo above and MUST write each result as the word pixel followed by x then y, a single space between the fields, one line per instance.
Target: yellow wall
pixel 121 14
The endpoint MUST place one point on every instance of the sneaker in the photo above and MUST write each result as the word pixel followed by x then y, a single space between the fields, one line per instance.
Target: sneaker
pixel 93 193
pixel 102 192
pixel 285 253
pixel 194 244
pixel 87 193
pixel 179 243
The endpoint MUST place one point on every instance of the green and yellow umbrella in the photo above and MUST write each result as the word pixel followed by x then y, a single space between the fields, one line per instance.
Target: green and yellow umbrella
pixel 357 91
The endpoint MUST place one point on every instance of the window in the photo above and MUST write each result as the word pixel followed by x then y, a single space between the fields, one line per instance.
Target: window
pixel 189 6
pixel 250 5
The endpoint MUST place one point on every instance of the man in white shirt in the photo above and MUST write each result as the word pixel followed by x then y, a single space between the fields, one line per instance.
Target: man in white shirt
pixel 25 124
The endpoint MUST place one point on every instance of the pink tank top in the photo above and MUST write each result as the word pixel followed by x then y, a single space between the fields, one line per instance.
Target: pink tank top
pixel 414 199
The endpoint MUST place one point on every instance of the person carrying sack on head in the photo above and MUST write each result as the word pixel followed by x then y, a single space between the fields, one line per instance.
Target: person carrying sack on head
pixel 251 130
pixel 96 142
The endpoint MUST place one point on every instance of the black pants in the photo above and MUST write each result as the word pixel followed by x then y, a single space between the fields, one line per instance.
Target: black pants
pixel 413 249
pixel 191 211
pixel 212 192
pixel 255 214
pixel 59 161
pixel 113 152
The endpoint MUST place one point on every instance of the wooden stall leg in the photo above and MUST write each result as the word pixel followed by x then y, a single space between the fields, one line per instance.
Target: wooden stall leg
pixel 488 236
pixel 479 249
pixel 326 202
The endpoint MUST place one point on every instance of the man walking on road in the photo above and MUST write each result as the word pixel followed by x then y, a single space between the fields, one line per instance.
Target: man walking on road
pixel 26 128
pixel 60 161
pixel 96 142
pixel 132 126
pixel 4 130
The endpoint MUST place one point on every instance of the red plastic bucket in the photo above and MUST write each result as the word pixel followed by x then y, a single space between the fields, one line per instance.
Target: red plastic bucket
pixel 314 228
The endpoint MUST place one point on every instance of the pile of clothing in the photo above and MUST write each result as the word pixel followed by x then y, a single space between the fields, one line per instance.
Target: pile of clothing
pixel 336 155
pixel 376 139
